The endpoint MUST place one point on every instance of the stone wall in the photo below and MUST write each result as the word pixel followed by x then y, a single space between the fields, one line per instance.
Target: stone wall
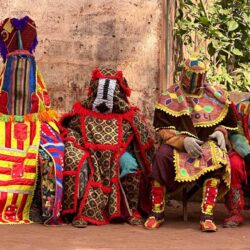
pixel 77 35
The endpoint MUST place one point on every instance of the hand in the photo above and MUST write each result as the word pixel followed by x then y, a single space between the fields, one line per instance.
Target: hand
pixel 219 137
pixel 128 164
pixel 192 146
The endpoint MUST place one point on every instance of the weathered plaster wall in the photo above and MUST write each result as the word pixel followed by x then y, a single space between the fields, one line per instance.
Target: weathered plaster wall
pixel 77 35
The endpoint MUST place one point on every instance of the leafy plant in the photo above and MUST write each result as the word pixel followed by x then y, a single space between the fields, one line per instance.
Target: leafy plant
pixel 225 25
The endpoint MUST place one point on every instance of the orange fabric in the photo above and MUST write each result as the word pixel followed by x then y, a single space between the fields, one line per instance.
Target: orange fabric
pixel 171 138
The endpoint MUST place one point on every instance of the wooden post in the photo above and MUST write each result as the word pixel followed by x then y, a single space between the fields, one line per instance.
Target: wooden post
pixel 184 204
pixel 163 48
pixel 170 48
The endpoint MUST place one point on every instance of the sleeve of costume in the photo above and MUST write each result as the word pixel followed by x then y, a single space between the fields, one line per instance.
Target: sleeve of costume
pixel 240 144
pixel 172 130
pixel 171 138
pixel 181 125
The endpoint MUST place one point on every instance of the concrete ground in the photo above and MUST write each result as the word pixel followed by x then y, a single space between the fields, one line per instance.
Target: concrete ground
pixel 174 234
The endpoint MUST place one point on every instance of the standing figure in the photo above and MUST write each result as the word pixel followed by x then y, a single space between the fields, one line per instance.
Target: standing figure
pixel 192 119
pixel 240 165
pixel 31 151
pixel 108 153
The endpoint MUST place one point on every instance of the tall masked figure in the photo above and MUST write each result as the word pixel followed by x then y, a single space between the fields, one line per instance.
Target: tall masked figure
pixel 240 165
pixel 31 151
pixel 108 153
pixel 192 119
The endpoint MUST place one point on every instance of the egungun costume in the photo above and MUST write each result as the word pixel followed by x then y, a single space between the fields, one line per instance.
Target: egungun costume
pixel 108 153
pixel 31 151
pixel 192 119
pixel 240 163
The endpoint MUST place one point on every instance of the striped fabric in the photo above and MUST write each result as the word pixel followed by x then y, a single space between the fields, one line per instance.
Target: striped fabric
pixel 52 144
pixel 20 83
pixel 19 144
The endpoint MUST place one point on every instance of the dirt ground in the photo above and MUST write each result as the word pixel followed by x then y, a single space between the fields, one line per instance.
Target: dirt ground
pixel 174 234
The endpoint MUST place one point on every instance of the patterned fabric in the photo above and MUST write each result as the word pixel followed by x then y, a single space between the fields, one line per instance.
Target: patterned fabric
pixel 83 179
pixel 234 201
pixel 19 85
pixel 52 176
pixel 120 104
pixel 131 186
pixel 101 139
pixel 242 109
pixel 213 158
pixel 26 123
pixel 158 198
pixel 71 183
pixel 206 109
pixel 210 192
pixel 47 183
pixel 101 131
pixel 105 94
pixel 205 104
pixel 23 91
pixel 10 30
pixel 158 206
pixel 193 75
pixel 18 154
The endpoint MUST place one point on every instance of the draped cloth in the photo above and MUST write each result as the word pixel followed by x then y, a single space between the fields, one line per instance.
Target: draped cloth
pixel 28 130
pixel 197 116
pixel 102 139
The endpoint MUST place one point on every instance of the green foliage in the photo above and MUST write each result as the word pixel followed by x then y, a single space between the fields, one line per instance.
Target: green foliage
pixel 225 25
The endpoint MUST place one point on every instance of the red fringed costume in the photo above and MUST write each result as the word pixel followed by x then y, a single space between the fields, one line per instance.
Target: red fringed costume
pixel 97 133
pixel 240 163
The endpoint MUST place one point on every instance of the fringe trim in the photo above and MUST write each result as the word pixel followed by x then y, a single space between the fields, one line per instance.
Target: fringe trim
pixel 17 223
pixel 178 131
pixel 205 124
pixel 217 120
pixel 229 128
pixel 216 166
pixel 171 112
pixel 45 116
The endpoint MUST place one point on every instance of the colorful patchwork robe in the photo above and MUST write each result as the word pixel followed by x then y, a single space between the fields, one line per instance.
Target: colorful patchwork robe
pixel 178 115
pixel 99 139
pixel 31 149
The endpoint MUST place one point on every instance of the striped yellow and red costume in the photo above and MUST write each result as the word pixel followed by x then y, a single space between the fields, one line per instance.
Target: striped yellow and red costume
pixel 31 151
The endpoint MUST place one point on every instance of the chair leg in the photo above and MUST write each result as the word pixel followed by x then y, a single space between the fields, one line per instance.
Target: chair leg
pixel 184 204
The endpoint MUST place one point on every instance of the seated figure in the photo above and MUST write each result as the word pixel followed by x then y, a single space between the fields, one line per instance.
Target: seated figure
pixel 192 119
pixel 240 165
pixel 31 151
pixel 108 152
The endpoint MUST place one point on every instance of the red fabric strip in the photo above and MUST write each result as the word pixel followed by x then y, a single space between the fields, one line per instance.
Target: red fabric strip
pixel 25 182
pixel 20 144
pixel 20 209
pixel 27 169
pixel 32 131
pixel 3 198
pixel 17 158
pixel 7 134
pixel 14 198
